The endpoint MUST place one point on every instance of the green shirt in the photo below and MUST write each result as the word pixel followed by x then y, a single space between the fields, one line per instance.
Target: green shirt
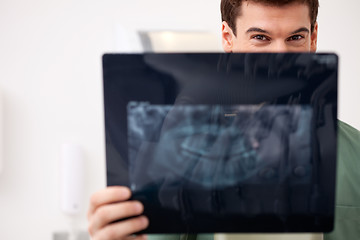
pixel 347 213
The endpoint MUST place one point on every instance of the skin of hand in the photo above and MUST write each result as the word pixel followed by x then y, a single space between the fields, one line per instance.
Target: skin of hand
pixel 112 204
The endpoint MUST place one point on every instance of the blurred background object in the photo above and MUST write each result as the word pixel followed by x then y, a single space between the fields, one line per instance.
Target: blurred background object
pixel 130 41
pixel 180 41
pixel 1 135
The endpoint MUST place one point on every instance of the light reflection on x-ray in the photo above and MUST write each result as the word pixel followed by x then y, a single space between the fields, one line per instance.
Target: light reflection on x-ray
pixel 215 146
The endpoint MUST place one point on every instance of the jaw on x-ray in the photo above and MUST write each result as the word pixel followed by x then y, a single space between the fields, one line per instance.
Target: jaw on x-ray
pixel 224 142
pixel 216 146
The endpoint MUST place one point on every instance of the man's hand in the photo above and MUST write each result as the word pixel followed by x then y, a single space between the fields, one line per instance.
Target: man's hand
pixel 112 204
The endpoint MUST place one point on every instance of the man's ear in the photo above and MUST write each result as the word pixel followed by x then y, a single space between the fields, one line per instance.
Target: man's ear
pixel 227 37
pixel 314 35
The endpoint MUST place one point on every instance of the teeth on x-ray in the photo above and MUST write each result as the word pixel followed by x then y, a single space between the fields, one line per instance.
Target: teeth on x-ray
pixel 214 146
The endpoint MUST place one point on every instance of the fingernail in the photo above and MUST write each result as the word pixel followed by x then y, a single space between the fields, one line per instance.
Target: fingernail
pixel 144 221
pixel 125 192
pixel 142 236
pixel 139 208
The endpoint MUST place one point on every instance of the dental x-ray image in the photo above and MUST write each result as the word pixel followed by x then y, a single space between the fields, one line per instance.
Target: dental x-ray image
pixel 224 142
pixel 218 146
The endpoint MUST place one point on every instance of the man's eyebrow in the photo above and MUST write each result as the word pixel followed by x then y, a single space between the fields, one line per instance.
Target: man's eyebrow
pixel 255 29
pixel 303 29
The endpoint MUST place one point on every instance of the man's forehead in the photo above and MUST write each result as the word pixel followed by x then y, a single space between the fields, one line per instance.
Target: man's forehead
pixel 284 7
pixel 289 17
pixel 272 3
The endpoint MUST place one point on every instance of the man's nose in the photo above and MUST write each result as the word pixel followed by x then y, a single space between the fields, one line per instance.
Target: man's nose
pixel 279 46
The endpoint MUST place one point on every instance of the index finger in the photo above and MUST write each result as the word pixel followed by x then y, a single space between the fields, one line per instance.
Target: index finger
pixel 108 195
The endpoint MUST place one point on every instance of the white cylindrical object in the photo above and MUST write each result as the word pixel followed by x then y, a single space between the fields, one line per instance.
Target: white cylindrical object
pixel 1 135
pixel 71 178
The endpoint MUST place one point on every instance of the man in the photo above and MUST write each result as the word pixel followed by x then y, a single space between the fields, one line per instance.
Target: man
pixel 250 26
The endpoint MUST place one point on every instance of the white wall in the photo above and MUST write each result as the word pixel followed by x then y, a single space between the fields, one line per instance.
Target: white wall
pixel 338 32
pixel 50 79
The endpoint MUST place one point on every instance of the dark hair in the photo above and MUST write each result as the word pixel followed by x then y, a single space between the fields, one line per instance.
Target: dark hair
pixel 230 9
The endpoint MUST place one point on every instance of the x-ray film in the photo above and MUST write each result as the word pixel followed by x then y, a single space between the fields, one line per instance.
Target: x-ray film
pixel 218 146
pixel 224 142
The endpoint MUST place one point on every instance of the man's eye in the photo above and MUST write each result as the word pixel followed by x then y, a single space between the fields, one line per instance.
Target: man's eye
pixel 260 38
pixel 295 38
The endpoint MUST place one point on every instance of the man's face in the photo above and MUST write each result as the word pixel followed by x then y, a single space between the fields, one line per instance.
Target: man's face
pixel 263 28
